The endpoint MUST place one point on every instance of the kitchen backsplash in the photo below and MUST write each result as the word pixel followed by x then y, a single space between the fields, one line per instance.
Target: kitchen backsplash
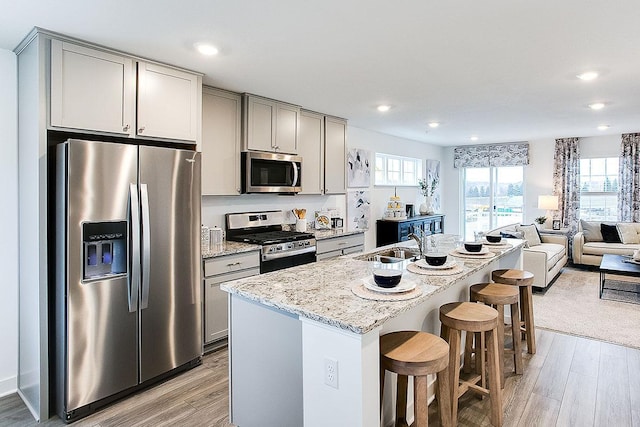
pixel 215 207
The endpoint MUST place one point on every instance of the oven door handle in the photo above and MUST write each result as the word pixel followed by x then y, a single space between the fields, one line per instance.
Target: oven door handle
pixel 269 257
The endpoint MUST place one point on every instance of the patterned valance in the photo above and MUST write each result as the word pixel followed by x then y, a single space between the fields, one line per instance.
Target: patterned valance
pixel 484 156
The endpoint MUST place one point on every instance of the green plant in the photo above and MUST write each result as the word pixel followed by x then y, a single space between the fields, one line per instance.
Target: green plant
pixel 541 220
pixel 428 188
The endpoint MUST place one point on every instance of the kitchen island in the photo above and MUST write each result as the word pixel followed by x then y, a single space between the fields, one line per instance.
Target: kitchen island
pixel 304 348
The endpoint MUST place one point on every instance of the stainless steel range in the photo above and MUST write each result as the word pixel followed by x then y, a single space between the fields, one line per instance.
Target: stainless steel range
pixel 280 248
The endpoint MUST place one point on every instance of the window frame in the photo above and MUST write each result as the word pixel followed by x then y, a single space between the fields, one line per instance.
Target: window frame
pixel 418 170
pixel 599 194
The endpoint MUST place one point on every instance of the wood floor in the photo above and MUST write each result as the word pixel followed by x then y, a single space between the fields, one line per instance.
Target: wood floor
pixel 570 381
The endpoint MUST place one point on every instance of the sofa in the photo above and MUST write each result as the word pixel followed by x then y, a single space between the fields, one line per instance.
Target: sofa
pixel 589 243
pixel 544 255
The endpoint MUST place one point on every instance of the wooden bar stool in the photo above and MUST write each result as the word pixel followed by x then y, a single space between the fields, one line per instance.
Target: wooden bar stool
pixel 472 317
pixel 417 354
pixel 498 296
pixel 524 280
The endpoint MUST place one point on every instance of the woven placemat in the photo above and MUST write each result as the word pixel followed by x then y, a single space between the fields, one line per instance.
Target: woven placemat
pixel 483 256
pixel 359 290
pixel 456 269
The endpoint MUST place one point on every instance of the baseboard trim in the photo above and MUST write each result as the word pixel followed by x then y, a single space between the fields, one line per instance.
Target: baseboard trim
pixel 8 386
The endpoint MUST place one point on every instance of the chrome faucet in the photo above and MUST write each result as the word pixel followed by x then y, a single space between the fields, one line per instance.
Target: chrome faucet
pixel 419 240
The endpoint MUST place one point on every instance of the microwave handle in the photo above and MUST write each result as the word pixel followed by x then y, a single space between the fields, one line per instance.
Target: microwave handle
pixel 295 173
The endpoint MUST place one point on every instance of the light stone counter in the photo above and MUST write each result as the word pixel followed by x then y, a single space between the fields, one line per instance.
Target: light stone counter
pixel 230 248
pixel 321 291
pixel 334 232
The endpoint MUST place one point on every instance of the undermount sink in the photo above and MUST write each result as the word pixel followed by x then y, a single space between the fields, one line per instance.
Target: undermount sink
pixel 389 256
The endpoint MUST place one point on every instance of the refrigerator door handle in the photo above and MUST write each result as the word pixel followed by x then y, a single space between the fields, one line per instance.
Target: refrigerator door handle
pixel 146 246
pixel 134 275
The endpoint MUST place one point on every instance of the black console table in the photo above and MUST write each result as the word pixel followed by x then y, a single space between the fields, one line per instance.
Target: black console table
pixel 390 231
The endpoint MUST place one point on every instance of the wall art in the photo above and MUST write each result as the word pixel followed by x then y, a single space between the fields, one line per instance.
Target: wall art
pixel 358 209
pixel 358 168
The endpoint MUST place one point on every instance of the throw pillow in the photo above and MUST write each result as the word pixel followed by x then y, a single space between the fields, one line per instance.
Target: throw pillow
pixel 610 233
pixel 591 232
pixel 531 234
pixel 512 234
pixel 628 233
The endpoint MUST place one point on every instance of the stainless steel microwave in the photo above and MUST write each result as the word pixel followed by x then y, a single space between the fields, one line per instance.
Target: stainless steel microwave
pixel 264 172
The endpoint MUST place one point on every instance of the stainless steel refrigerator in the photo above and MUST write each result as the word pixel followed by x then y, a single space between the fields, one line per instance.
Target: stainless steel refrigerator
pixel 127 295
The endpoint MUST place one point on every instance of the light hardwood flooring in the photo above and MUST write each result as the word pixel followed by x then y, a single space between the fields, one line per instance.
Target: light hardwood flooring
pixel 570 381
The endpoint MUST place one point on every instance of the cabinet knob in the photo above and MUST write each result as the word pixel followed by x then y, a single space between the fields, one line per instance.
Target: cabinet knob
pixel 125 128
pixel 141 129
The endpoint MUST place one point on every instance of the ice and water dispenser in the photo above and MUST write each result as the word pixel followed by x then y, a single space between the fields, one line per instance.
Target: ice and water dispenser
pixel 105 249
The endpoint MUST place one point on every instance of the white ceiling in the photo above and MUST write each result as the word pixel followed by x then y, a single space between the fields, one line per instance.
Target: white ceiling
pixel 500 69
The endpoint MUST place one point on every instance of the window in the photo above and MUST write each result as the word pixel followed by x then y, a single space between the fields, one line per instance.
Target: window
pixel 599 189
pixel 493 197
pixel 397 170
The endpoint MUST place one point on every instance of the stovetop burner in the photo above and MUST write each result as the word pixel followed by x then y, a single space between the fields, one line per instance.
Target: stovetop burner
pixel 268 237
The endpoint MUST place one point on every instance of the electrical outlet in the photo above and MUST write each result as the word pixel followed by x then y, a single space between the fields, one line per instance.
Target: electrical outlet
pixel 331 372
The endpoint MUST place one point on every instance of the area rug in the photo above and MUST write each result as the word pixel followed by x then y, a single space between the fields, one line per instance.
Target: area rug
pixel 572 305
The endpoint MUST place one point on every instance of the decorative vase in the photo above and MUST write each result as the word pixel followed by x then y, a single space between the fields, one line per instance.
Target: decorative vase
pixel 426 208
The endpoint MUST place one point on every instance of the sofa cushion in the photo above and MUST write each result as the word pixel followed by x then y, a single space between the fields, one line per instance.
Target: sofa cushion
pixel 628 232
pixel 591 231
pixel 601 248
pixel 610 233
pixel 554 252
pixel 531 234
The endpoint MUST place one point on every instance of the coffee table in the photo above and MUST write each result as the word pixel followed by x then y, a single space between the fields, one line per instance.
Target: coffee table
pixel 615 264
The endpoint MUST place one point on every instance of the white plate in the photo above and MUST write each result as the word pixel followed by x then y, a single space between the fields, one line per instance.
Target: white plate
pixel 466 252
pixel 500 243
pixel 402 287
pixel 447 265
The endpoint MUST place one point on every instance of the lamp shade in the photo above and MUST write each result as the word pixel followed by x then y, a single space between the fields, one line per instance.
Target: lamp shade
pixel 548 202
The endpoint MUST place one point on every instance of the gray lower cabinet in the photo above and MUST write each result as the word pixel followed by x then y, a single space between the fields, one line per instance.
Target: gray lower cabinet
pixel 341 245
pixel 217 271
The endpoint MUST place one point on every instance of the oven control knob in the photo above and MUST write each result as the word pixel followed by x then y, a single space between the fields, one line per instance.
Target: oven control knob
pixel 278 248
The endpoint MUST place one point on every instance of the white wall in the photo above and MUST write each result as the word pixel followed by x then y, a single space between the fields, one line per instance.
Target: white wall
pixel 9 221
pixel 381 143
pixel 538 175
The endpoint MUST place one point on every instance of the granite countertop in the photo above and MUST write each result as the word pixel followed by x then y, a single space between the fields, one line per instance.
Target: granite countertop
pixel 230 248
pixel 334 232
pixel 321 291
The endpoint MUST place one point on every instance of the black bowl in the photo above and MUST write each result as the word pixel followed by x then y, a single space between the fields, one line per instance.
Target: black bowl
pixel 387 278
pixel 435 258
pixel 473 246
pixel 493 238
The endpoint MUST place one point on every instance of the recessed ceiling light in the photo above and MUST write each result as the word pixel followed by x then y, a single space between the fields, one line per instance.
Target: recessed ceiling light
pixel 473 138
pixel 434 125
pixel 206 49
pixel 597 106
pixel 603 127
pixel 588 75
pixel 384 108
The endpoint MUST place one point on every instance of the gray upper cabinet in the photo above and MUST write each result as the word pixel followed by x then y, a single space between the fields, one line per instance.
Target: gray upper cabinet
pixel 94 90
pixel 270 125
pixel 311 148
pixel 168 102
pixel 335 143
pixel 221 120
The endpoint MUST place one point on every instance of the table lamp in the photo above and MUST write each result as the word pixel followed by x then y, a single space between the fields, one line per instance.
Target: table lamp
pixel 548 203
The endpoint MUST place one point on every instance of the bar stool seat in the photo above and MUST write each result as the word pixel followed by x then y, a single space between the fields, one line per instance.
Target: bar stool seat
pixel 417 354
pixel 497 296
pixel 524 280
pixel 472 317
